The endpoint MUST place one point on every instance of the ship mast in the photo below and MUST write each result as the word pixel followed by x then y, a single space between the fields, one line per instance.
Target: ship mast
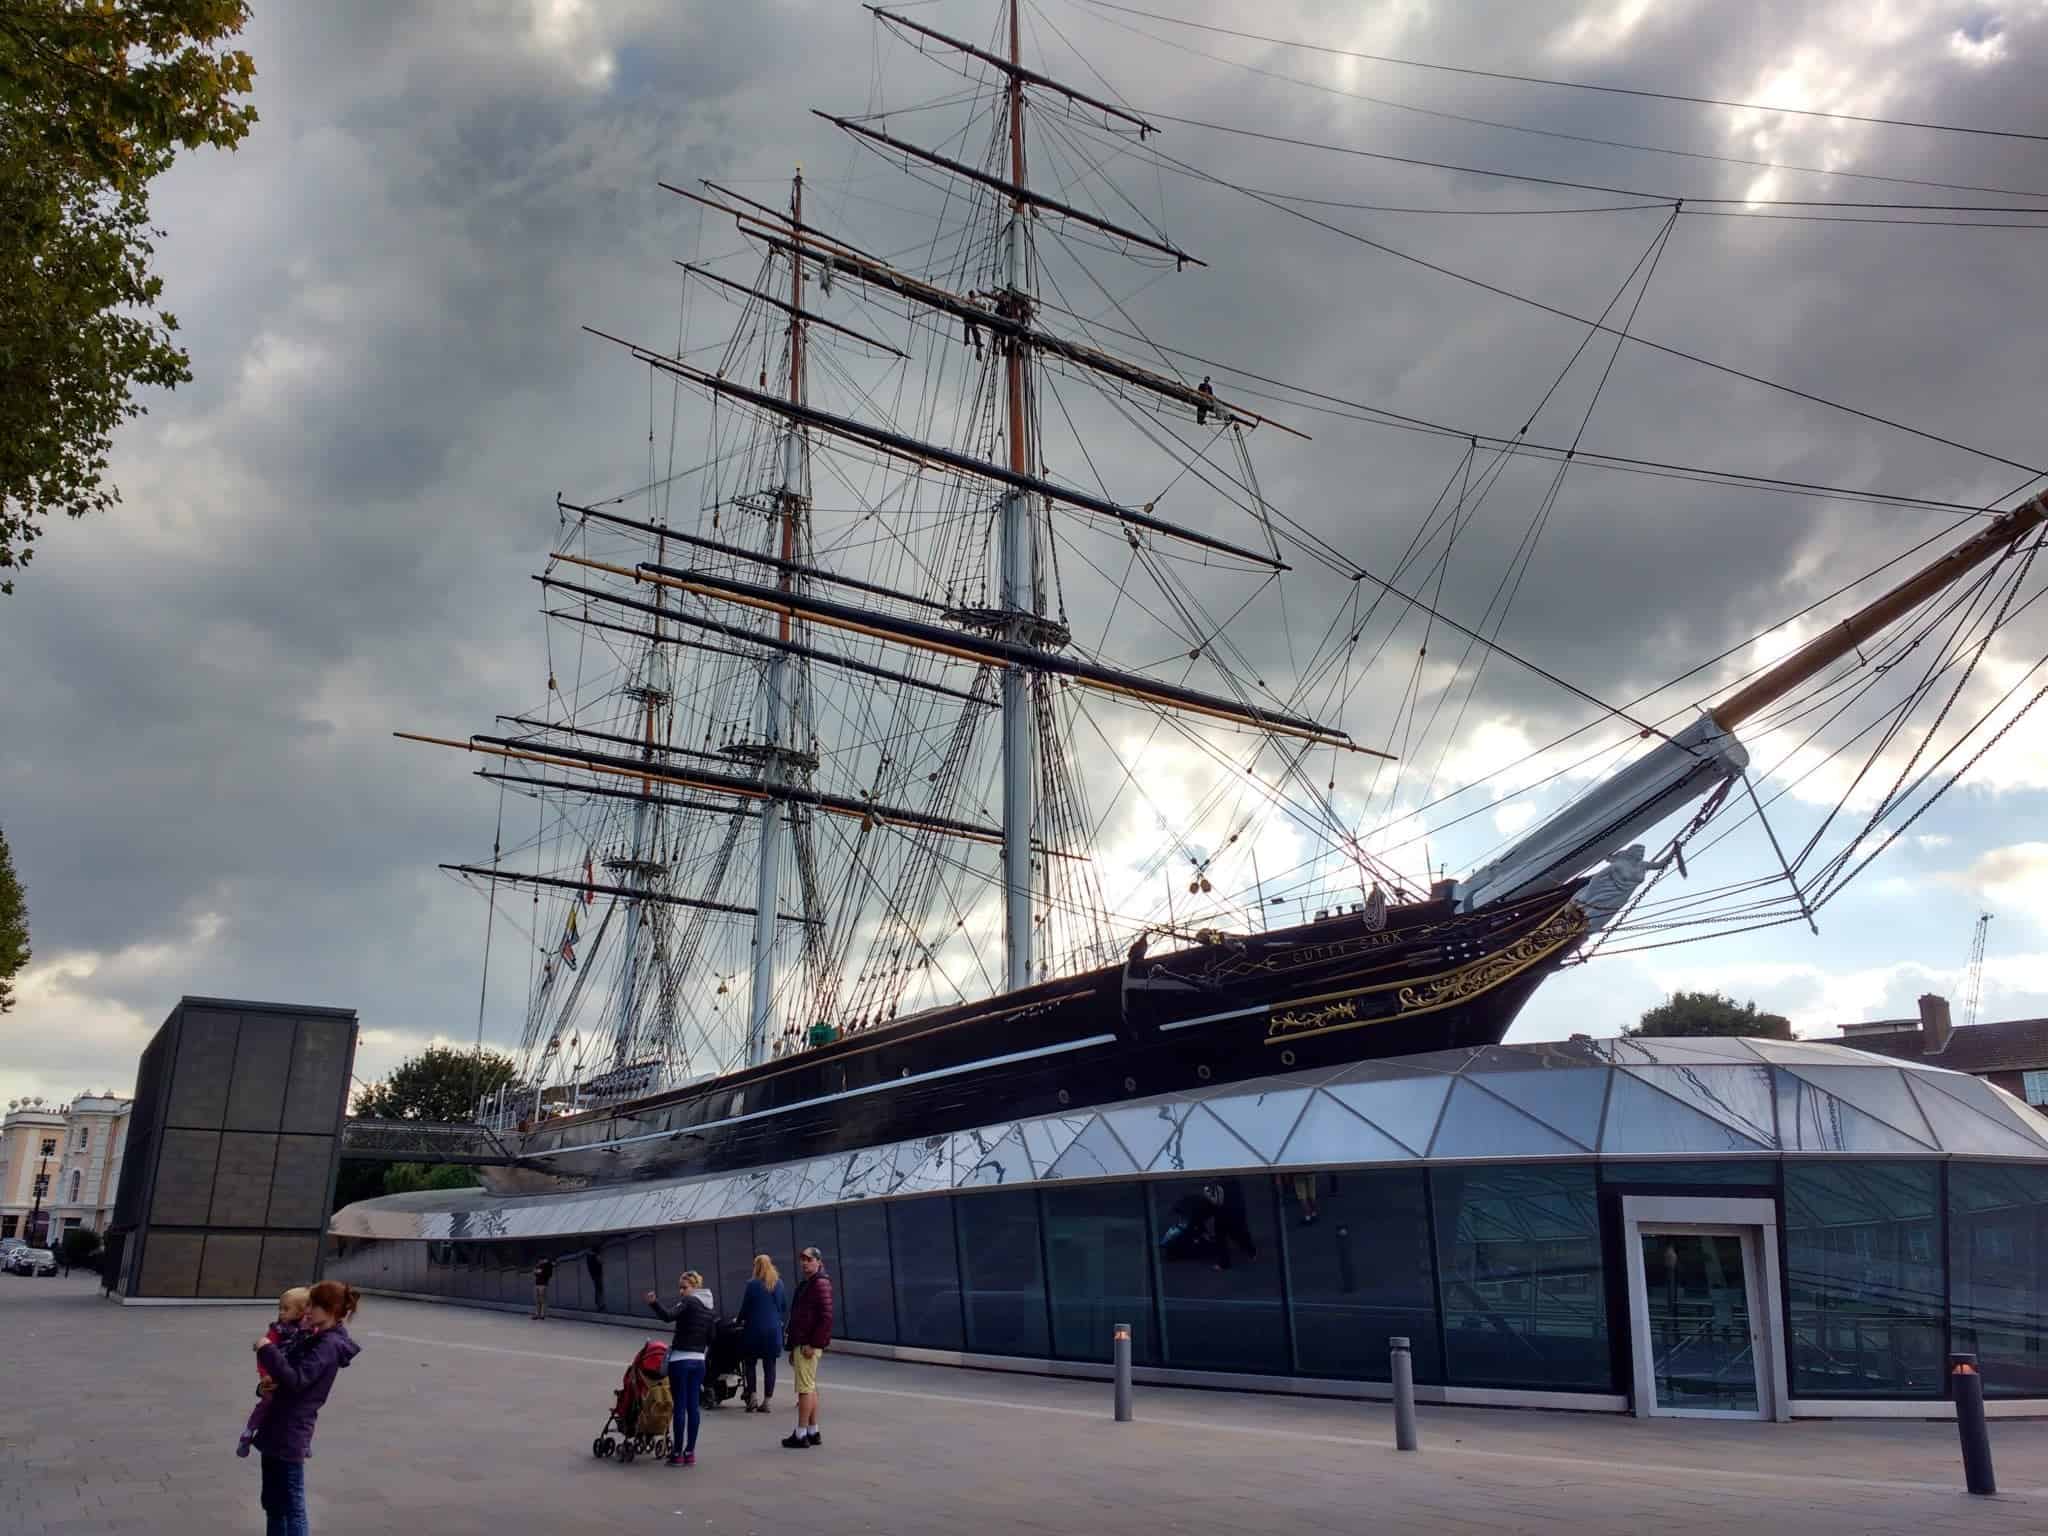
pixel 1019 552
pixel 779 717
pixel 1602 824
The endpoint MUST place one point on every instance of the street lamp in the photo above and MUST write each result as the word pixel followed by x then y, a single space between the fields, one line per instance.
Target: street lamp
pixel 35 1210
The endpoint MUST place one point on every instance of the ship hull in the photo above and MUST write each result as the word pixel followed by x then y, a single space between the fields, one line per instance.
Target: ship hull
pixel 1322 995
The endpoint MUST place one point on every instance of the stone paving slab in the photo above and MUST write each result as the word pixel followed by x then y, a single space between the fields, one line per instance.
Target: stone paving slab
pixel 456 1421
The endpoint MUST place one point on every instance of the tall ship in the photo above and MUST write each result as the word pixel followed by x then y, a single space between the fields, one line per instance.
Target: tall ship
pixel 921 754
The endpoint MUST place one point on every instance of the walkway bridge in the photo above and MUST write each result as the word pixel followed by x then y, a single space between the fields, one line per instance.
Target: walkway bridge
pixel 424 1141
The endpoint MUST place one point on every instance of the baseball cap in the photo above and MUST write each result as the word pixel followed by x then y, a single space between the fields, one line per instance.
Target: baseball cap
pixel 812 1253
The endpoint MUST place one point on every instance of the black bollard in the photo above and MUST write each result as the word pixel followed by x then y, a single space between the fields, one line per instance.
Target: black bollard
pixel 1402 1364
pixel 1120 1342
pixel 1969 1394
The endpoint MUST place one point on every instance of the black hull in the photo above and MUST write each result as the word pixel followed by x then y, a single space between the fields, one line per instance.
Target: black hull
pixel 1322 995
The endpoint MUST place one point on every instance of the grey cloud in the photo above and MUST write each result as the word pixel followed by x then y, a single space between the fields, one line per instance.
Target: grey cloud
pixel 435 203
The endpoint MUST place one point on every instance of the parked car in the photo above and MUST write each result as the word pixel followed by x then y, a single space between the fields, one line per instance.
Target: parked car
pixel 9 1244
pixel 30 1261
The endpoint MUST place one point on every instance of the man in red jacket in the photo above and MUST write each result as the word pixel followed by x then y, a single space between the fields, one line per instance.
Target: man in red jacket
pixel 810 1332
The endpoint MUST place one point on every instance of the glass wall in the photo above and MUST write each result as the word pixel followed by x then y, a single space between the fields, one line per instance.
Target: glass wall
pixel 1359 1272
pixel 1002 1272
pixel 1218 1262
pixel 863 1294
pixel 1863 1271
pixel 1998 1274
pixel 1524 1298
pixel 1099 1270
pixel 927 1275
pixel 1495 1273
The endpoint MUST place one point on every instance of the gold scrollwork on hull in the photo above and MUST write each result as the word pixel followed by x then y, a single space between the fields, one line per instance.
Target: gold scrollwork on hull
pixel 1428 994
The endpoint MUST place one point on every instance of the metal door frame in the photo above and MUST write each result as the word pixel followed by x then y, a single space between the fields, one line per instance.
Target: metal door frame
pixel 1755 1222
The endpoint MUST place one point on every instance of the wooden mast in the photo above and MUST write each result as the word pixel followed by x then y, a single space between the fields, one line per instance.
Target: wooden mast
pixel 1825 649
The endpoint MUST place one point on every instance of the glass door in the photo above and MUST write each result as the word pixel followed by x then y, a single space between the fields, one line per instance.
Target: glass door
pixel 1701 1329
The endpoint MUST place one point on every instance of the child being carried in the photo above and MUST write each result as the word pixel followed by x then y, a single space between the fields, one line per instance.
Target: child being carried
pixel 287 1334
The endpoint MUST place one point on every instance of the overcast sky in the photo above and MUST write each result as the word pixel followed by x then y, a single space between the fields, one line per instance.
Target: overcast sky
pixel 326 536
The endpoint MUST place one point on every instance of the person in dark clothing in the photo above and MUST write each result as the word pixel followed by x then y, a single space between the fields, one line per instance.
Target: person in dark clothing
pixel 543 1272
pixel 303 1380
pixel 764 1312
pixel 695 1316
pixel 810 1333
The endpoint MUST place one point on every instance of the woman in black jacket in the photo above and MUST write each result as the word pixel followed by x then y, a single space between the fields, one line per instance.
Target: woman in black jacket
pixel 694 1317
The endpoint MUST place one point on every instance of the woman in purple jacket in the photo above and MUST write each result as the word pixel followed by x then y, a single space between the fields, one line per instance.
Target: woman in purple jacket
pixel 302 1385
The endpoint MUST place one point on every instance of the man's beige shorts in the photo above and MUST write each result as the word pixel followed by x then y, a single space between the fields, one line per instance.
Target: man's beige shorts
pixel 806 1370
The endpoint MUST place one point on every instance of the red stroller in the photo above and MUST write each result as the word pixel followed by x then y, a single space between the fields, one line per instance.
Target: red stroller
pixel 643 1409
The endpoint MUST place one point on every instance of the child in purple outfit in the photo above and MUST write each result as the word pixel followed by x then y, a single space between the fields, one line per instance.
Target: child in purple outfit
pixel 287 1334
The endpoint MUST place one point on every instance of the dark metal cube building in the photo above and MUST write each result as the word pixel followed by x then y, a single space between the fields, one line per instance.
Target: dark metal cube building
pixel 228 1179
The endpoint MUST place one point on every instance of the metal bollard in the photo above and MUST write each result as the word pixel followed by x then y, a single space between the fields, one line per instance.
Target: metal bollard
pixel 1403 1362
pixel 1969 1395
pixel 1121 1353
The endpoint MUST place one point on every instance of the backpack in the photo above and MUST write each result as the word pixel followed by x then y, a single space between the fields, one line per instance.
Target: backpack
pixel 657 1410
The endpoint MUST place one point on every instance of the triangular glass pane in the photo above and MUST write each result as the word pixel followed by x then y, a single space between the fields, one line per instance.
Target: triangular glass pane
pixel 1799 1053
pixel 1406 1108
pixel 922 1166
pixel 1984 1097
pixel 869 1172
pixel 1203 1142
pixel 1144 1128
pixel 1643 1122
pixel 1810 1119
pixel 1963 1129
pixel 1094 1154
pixel 1878 1091
pixel 1439 1064
pixel 1329 1133
pixel 1046 1139
pixel 1567 1099
pixel 1702 1048
pixel 1738 1096
pixel 1262 1119
pixel 1476 1124
pixel 997 1159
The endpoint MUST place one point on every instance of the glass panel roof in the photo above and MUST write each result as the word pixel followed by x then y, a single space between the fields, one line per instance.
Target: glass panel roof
pixel 1476 1124
pixel 1638 1098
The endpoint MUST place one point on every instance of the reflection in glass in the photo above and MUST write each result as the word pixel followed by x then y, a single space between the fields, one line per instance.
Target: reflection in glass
pixel 868 1310
pixel 1099 1269
pixel 1001 1270
pixel 1998 1273
pixel 1219 1273
pixel 1751 1171
pixel 927 1273
pixel 728 1275
pixel 1701 1353
pixel 1864 1279
pixel 1358 1272
pixel 1520 1271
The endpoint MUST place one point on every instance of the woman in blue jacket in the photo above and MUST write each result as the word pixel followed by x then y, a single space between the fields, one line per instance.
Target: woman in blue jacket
pixel 763 1312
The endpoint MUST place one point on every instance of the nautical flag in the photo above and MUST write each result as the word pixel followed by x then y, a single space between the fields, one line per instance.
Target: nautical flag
pixel 570 931
pixel 589 882
pixel 569 952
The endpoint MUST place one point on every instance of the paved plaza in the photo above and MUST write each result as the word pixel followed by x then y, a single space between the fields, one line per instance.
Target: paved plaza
pixel 455 1421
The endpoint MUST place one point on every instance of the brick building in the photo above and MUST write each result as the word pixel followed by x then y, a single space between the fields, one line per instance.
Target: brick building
pixel 2012 1053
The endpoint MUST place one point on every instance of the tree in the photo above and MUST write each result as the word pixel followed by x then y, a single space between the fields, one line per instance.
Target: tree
pixel 440 1083
pixel 78 1247
pixel 13 927
pixel 404 1178
pixel 1709 1013
pixel 96 99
